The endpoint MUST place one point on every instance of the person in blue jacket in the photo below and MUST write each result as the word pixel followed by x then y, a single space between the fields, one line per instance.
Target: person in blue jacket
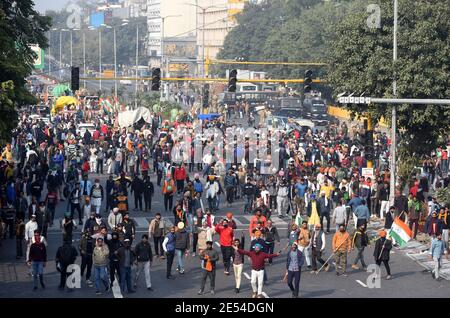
pixel 294 263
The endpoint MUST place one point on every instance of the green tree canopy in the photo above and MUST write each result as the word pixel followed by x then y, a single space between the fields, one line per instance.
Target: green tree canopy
pixel 20 26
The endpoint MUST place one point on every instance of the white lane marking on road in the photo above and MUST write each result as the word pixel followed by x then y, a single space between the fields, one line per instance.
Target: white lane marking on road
pixel 265 295
pixel 277 221
pixel 142 222
pixel 217 244
pixel 116 289
pixel 247 276
pixel 361 283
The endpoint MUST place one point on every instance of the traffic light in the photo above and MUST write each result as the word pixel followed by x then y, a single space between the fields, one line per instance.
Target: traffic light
pixel 308 82
pixel 205 95
pixel 369 150
pixel 156 79
pixel 75 79
pixel 232 81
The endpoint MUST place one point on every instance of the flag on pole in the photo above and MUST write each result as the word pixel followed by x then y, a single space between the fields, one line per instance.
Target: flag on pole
pixel 400 232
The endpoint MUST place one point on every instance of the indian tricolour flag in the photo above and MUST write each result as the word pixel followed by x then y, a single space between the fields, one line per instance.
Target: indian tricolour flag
pixel 400 232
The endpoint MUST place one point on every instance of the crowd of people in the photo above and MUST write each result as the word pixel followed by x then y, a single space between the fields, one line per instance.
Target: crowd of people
pixel 318 187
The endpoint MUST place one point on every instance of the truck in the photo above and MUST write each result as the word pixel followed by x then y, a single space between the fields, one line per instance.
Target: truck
pixel 315 109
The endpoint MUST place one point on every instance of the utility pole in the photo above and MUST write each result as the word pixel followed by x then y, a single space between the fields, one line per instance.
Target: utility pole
pixel 49 52
pixel 100 55
pixel 60 53
pixel 393 156
pixel 84 57
pixel 115 64
pixel 137 64
pixel 71 48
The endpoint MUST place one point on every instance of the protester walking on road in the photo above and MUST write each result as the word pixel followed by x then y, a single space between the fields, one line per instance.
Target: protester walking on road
pixel 360 240
pixel 37 259
pixel 158 229
pixel 226 241
pixel 294 263
pixel 238 262
pixel 144 259
pixel 100 260
pixel 181 246
pixel 341 247
pixel 257 257
pixel 126 259
pixel 65 256
pixel 209 258
pixel 317 245
pixel 304 239
pixel 436 251
pixel 86 250
pixel 382 250
pixel 169 249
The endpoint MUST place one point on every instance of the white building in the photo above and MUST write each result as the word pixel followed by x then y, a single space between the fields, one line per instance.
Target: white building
pixel 179 18
pixel 215 19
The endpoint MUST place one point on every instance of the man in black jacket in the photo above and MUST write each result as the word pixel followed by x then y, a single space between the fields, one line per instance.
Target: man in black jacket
pixel 114 244
pixel 181 245
pixel 137 187
pixel 272 237
pixel 149 190
pixel 382 250
pixel 129 227
pixel 65 256
pixel 249 191
pixel 144 258
pixel 126 258
pixel 109 193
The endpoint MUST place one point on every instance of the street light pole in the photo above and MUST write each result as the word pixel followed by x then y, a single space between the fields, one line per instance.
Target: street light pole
pixel 60 53
pixel 203 43
pixel 71 48
pixel 84 58
pixel 137 61
pixel 115 64
pixel 100 55
pixel 394 114
pixel 49 52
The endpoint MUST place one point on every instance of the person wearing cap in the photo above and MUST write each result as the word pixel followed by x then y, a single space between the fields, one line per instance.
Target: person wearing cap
pixel 169 248
pixel 209 257
pixel 383 247
pixel 37 259
pixel 114 244
pixel 114 218
pixel 257 220
pixel 317 245
pixel 96 196
pixel 144 259
pixel 100 258
pixel 226 234
pixel 181 245
pixel 282 198
pixel 294 263
pixel 257 257
pixel 249 192
pixel 231 222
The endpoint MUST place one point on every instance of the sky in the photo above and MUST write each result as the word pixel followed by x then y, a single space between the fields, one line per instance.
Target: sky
pixel 43 5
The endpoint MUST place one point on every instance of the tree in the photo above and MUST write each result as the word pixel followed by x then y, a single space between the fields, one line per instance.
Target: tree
pixel 20 26
pixel 361 62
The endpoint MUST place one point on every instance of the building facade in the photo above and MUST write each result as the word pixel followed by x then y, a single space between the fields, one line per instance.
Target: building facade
pixel 215 19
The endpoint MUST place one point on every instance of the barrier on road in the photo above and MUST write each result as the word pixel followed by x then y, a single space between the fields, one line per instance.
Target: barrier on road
pixel 342 113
